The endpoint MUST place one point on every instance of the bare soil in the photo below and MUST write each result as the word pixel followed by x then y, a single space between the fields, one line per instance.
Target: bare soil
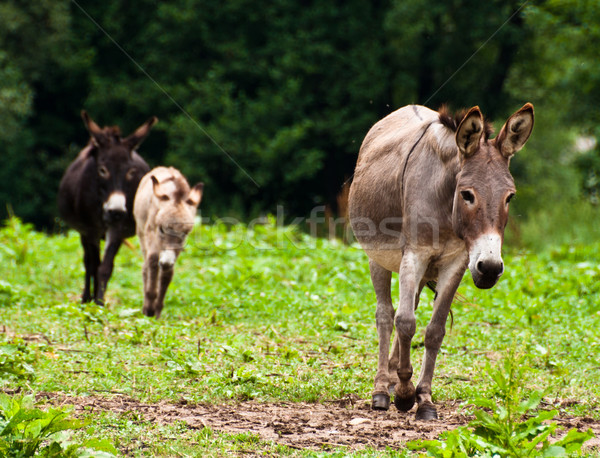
pixel 348 422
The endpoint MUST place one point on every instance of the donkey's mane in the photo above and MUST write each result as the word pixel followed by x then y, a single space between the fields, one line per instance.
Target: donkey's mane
pixel 452 120
pixel 112 132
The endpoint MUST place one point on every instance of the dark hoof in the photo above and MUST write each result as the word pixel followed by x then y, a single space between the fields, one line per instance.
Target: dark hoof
pixel 380 402
pixel 405 397
pixel 426 412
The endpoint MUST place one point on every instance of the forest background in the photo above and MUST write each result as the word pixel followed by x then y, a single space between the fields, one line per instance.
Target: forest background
pixel 267 102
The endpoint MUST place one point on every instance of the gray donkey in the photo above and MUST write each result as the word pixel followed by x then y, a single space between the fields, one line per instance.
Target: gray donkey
pixel 430 198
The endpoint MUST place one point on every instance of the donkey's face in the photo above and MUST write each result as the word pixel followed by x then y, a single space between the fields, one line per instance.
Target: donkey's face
pixel 118 177
pixel 118 172
pixel 177 205
pixel 484 189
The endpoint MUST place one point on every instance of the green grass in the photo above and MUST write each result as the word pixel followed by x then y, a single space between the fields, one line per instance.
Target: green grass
pixel 272 315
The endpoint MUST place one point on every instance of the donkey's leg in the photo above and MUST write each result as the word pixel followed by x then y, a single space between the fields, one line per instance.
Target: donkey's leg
pixel 113 243
pixel 395 355
pixel 412 269
pixel 448 281
pixel 164 279
pixel 384 318
pixel 150 272
pixel 91 261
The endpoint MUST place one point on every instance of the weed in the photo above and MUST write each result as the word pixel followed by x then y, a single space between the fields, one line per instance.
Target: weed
pixel 16 360
pixel 508 424
pixel 27 431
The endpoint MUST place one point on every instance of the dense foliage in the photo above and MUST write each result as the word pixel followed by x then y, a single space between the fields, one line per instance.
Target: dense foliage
pixel 269 105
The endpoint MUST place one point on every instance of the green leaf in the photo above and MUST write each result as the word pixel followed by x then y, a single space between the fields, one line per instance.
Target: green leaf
pixel 102 445
pixel 554 450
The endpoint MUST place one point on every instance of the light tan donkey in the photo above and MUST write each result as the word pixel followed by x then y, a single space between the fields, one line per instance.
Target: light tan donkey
pixel 164 210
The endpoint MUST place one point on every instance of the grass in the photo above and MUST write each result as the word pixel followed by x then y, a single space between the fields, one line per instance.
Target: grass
pixel 270 314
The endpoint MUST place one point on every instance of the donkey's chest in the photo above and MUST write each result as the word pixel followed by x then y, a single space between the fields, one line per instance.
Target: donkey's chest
pixel 446 253
pixel 452 254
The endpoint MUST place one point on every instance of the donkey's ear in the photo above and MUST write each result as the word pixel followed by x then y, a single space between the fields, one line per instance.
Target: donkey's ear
pixel 195 195
pixel 92 128
pixel 135 139
pixel 469 132
pixel 516 131
pixel 156 189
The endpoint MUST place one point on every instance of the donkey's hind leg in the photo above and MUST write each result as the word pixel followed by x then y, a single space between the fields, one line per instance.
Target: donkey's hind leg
pixel 384 317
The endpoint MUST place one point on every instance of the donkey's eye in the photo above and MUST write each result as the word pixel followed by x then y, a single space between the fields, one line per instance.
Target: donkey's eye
pixel 103 172
pixel 161 230
pixel 509 198
pixel 131 174
pixel 468 196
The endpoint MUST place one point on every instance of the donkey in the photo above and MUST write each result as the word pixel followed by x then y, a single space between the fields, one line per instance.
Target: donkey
pixel 164 210
pixel 95 197
pixel 430 198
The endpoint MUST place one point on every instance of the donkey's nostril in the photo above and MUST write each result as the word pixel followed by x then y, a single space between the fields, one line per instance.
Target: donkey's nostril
pixel 480 267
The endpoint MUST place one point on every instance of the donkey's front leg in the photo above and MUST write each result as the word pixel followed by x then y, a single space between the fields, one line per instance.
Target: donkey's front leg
pixel 91 261
pixel 448 281
pixel 384 318
pixel 150 274
pixel 113 243
pixel 165 277
pixel 412 269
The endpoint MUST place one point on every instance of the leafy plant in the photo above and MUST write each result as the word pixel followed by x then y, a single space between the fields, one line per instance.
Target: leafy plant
pixel 508 426
pixel 16 360
pixel 28 431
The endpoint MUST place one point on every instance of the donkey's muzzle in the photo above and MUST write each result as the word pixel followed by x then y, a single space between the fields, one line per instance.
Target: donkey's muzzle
pixel 487 273
pixel 115 209
pixel 114 216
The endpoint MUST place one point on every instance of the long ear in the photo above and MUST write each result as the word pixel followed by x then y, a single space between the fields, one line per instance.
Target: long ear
pixel 516 131
pixel 92 128
pixel 135 139
pixel 156 189
pixel 469 132
pixel 195 195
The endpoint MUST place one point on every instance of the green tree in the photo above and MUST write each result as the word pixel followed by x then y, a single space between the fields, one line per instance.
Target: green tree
pixel 43 78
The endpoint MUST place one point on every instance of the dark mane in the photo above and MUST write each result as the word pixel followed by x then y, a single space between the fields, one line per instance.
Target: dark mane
pixel 112 132
pixel 452 120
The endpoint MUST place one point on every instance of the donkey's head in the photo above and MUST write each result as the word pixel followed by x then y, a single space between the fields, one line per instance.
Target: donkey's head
pixel 484 189
pixel 118 171
pixel 177 205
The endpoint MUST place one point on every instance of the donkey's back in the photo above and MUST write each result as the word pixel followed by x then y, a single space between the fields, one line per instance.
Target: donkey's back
pixel 405 175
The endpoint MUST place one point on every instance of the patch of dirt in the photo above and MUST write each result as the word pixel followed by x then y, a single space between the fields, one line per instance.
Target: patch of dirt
pixel 349 422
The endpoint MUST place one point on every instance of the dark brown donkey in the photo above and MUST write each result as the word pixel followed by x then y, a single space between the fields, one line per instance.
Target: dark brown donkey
pixel 429 198
pixel 96 195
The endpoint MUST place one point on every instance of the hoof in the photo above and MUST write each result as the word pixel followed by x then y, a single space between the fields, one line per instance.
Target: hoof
pixel 405 397
pixel 380 402
pixel 148 312
pixel 426 411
